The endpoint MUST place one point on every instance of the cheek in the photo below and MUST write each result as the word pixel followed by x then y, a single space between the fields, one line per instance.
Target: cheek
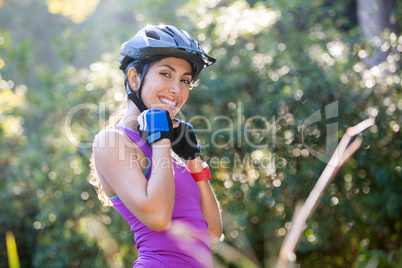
pixel 184 98
pixel 148 95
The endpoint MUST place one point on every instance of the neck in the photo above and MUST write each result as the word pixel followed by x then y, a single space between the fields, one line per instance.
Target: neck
pixel 130 117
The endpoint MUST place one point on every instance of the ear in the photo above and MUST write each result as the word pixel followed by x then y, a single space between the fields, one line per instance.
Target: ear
pixel 133 79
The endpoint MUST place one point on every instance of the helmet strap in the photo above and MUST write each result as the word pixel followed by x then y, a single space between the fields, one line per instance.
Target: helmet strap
pixel 132 95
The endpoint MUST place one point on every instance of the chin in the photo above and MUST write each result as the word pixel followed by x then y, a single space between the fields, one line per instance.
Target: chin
pixel 172 114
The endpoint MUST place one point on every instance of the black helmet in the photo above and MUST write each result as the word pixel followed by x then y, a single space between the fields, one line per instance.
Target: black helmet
pixel 153 42
pixel 164 40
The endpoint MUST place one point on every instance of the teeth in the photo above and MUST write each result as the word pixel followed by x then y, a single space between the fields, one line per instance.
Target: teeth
pixel 168 102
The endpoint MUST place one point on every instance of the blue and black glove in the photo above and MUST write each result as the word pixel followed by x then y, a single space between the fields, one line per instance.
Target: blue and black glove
pixel 184 142
pixel 154 125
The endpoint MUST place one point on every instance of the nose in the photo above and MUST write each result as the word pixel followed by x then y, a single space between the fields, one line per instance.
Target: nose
pixel 175 87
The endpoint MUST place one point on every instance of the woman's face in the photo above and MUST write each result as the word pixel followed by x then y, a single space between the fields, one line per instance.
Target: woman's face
pixel 166 85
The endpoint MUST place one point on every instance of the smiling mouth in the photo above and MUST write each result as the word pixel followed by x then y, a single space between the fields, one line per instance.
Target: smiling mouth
pixel 169 102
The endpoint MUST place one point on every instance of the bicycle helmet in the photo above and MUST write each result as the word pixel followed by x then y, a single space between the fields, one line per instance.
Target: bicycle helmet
pixel 153 42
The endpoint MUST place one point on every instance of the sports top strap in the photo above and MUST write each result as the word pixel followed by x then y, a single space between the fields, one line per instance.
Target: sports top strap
pixel 135 137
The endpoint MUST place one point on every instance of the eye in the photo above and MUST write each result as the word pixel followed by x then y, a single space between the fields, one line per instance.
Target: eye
pixel 165 74
pixel 186 81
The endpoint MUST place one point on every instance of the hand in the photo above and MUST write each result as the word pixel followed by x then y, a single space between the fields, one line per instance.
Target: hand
pixel 184 142
pixel 154 125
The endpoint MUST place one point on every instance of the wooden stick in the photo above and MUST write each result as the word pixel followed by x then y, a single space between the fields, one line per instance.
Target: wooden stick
pixel 287 254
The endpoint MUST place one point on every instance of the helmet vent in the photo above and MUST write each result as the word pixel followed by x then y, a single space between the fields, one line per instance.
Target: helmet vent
pixel 152 34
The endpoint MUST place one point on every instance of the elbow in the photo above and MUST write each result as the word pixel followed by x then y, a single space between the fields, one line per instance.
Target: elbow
pixel 160 224
pixel 157 218
pixel 214 239
pixel 216 235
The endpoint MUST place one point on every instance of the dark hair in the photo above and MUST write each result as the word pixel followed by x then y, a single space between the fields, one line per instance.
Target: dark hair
pixel 139 65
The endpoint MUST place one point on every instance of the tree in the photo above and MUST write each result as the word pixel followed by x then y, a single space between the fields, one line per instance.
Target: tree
pixel 375 17
pixel 278 64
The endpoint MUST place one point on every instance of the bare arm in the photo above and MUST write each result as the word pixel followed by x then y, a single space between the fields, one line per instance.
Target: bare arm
pixel 151 201
pixel 209 204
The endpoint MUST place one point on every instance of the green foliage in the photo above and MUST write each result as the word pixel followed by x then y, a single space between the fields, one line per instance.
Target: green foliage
pixel 278 63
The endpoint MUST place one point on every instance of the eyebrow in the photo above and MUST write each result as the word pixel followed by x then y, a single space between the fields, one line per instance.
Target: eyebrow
pixel 173 69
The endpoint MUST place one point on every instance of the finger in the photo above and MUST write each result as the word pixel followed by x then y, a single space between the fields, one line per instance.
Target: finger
pixel 175 123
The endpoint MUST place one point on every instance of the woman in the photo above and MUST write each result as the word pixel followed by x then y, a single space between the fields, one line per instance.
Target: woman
pixel 168 203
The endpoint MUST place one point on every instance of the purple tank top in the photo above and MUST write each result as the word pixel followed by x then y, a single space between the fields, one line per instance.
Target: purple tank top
pixel 186 243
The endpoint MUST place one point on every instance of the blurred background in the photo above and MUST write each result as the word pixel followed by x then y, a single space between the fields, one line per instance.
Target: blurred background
pixel 279 62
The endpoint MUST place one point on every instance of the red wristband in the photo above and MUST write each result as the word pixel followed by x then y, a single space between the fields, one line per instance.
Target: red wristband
pixel 203 175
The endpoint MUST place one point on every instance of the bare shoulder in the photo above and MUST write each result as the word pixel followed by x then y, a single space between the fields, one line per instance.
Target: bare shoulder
pixel 114 148
pixel 110 138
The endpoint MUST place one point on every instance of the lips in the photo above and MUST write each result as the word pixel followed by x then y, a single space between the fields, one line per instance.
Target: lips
pixel 170 102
